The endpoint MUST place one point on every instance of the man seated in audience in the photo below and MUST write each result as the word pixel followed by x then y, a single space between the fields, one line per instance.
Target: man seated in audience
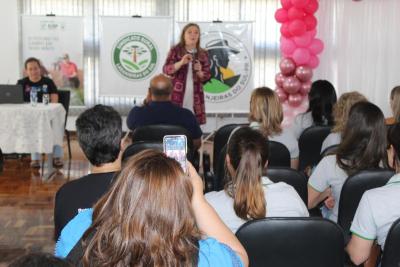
pixel 99 131
pixel 378 208
pixel 160 110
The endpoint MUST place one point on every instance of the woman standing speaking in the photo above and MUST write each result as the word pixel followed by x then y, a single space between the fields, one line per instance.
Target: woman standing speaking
pixel 187 64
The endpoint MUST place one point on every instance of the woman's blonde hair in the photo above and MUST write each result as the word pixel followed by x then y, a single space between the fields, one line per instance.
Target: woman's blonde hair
pixel 139 222
pixel 395 103
pixel 266 109
pixel 342 108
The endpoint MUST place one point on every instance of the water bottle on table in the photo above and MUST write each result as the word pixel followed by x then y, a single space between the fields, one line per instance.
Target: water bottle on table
pixel 45 96
pixel 34 97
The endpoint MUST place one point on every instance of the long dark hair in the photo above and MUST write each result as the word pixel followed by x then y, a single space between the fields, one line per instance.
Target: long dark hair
pixel 248 153
pixel 364 141
pixel 322 97
pixel 139 222
pixel 394 141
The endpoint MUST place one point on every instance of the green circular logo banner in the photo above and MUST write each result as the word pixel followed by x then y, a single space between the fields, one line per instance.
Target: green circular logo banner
pixel 134 56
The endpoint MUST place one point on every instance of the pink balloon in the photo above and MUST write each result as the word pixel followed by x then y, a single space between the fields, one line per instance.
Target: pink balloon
pixel 305 88
pixel 281 15
pixel 303 40
pixel 297 27
pixel 312 33
pixel 301 56
pixel 313 62
pixel 281 94
pixel 300 3
pixel 316 46
pixel 285 30
pixel 312 7
pixel 311 22
pixel 295 13
pixel 287 66
pixel 291 85
pixel 295 100
pixel 279 78
pixel 287 46
pixel 286 4
pixel 304 73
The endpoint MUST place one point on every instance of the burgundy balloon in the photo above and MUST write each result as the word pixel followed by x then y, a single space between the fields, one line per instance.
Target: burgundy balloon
pixel 283 96
pixel 286 4
pixel 300 3
pixel 295 100
pixel 304 73
pixel 305 88
pixel 311 22
pixel 311 7
pixel 279 78
pixel 295 13
pixel 281 15
pixel 287 66
pixel 297 27
pixel 291 85
pixel 285 30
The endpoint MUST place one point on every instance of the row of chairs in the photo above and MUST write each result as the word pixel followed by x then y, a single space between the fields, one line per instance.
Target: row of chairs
pixel 305 242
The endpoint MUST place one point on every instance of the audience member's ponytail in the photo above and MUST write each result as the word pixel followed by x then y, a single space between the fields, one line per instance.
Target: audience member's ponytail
pixel 248 153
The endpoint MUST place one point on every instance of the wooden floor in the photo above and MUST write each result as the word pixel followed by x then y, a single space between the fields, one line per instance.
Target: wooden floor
pixel 27 202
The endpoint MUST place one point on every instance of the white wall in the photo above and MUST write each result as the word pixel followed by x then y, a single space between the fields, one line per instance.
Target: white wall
pixel 9 45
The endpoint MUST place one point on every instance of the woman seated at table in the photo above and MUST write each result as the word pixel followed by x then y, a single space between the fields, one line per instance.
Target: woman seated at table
pixel 142 222
pixel 41 84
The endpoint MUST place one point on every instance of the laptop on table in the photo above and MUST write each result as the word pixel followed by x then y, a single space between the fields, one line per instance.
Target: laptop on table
pixel 11 94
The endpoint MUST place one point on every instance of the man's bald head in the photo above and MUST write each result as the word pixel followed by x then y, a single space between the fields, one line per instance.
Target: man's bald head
pixel 160 87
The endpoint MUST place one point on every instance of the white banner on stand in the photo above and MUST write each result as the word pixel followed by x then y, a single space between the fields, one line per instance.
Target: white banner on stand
pixel 57 41
pixel 230 51
pixel 132 51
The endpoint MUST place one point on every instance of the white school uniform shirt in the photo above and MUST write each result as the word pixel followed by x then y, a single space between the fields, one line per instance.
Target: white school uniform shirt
pixel 331 140
pixel 300 123
pixel 286 138
pixel 282 201
pixel 328 174
pixel 378 209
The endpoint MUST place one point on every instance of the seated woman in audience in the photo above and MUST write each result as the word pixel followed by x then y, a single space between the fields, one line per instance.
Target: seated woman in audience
pixel 250 195
pixel 395 105
pixel 378 208
pixel 322 97
pixel 153 215
pixel 340 115
pixel 266 115
pixel 363 147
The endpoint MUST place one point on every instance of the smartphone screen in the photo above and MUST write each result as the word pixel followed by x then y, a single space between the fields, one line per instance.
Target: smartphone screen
pixel 175 147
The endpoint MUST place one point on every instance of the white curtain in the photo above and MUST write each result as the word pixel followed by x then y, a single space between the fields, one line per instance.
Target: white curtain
pixel 362 47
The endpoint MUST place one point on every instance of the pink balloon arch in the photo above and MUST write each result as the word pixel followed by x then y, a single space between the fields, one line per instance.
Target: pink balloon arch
pixel 299 50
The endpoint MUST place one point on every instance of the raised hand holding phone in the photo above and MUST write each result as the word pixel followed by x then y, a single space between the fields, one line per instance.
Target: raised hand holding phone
pixel 175 146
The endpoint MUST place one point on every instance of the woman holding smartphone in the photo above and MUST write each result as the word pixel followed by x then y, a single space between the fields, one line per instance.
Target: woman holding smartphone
pixel 141 222
pixel 187 64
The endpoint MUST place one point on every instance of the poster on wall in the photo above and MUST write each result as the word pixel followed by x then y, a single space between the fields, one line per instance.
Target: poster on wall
pixel 230 51
pixel 132 51
pixel 57 41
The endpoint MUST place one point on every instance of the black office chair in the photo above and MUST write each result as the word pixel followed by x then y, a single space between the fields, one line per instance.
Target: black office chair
pixel 220 139
pixel 292 177
pixel 391 255
pixel 279 155
pixel 352 191
pixel 310 144
pixel 139 146
pixel 64 97
pixel 156 132
pixel 288 242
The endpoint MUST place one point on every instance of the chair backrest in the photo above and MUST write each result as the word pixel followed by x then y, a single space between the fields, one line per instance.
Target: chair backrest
pixel 220 140
pixel 391 255
pixel 139 146
pixel 352 191
pixel 64 97
pixel 310 144
pixel 156 132
pixel 329 150
pixel 292 177
pixel 279 155
pixel 288 242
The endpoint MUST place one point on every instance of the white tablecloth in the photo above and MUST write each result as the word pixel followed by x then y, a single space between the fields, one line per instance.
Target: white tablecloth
pixel 28 129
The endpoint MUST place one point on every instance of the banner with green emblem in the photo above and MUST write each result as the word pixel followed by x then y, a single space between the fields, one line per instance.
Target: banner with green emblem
pixel 132 51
